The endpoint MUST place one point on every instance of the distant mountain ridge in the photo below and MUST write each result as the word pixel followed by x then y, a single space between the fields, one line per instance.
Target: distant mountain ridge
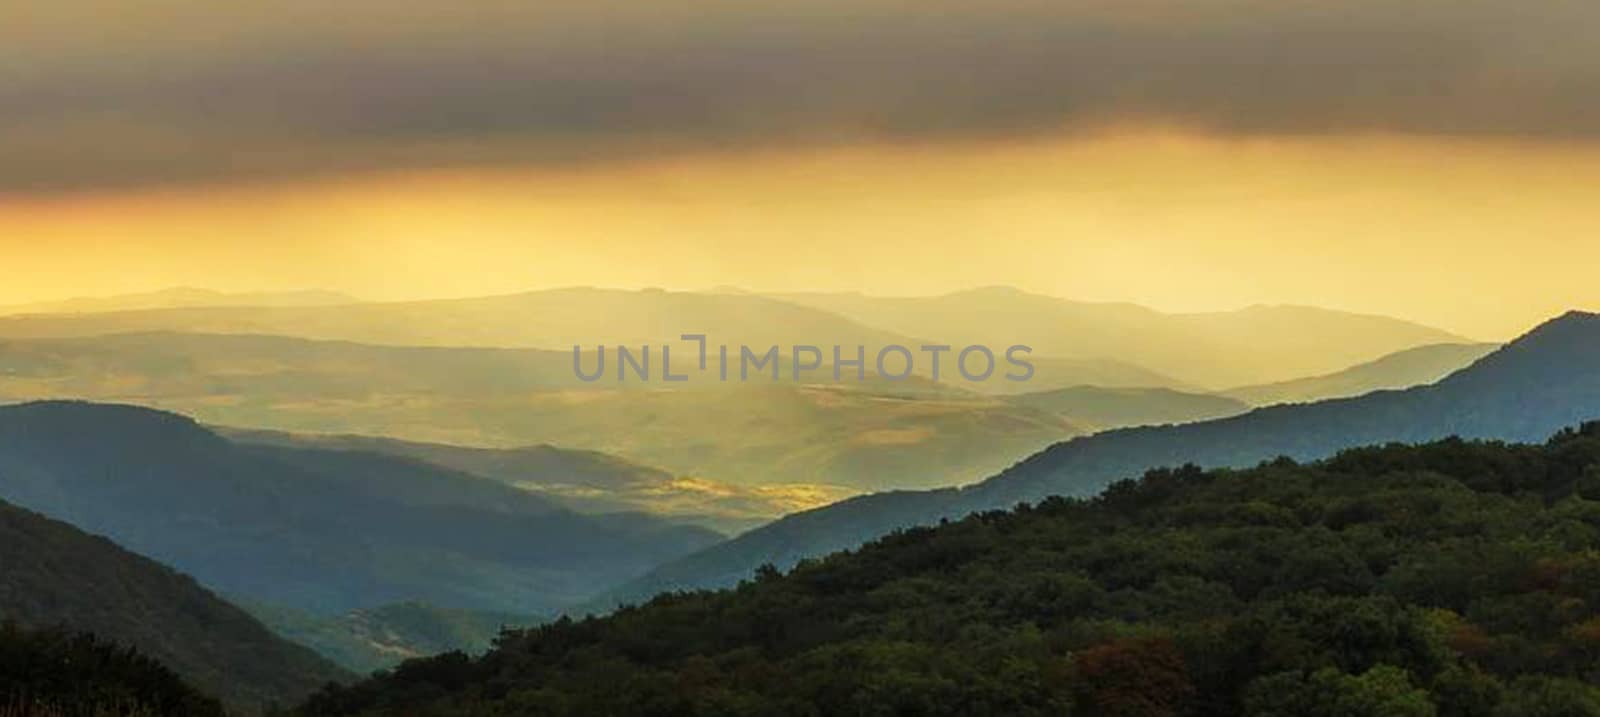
pixel 551 319
pixel 180 297
pixel 1097 407
pixel 808 440
pixel 325 531
pixel 584 481
pixel 1257 344
pixel 1075 342
pixel 52 573
pixel 1525 391
pixel 1403 369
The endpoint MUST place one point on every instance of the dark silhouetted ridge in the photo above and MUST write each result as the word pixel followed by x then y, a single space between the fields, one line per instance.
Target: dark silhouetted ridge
pixel 52 574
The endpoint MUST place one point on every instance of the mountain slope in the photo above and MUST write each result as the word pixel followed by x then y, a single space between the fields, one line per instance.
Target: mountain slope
pixel 584 481
pixel 1529 388
pixel 1404 369
pixel 1099 408
pixel 1453 578
pixel 1259 344
pixel 1056 372
pixel 325 531
pixel 371 639
pixel 54 574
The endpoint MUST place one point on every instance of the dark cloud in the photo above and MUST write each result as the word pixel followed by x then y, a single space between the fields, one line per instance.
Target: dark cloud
pixel 97 94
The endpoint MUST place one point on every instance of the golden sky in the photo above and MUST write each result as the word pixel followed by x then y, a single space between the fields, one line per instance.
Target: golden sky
pixel 1484 238
pixel 1434 161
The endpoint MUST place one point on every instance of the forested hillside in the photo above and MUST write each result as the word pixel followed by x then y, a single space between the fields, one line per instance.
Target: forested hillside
pixel 53 672
pixel 1548 378
pixel 52 574
pixel 1453 578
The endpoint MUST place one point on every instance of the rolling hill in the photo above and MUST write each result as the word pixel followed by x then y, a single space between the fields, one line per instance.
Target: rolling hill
pixel 324 531
pixel 1403 369
pixel 52 573
pixel 1099 408
pixel 1527 389
pixel 1259 344
pixel 803 443
pixel 584 481
pixel 1451 578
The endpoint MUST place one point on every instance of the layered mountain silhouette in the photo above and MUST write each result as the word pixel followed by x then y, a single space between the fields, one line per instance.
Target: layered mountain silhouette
pixel 1258 344
pixel 180 297
pixel 53 574
pixel 556 319
pixel 800 438
pixel 1097 407
pixel 585 481
pixel 1074 343
pixel 1402 369
pixel 1547 379
pixel 326 531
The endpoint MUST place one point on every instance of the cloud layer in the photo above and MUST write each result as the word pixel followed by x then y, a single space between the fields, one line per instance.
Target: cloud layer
pixel 97 94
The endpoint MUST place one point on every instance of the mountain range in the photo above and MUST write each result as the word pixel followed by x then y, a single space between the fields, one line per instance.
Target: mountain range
pixel 1258 344
pixel 1099 408
pixel 1076 342
pixel 789 439
pixel 1450 578
pixel 319 530
pixel 1546 379
pixel 381 502
pixel 770 447
pixel 583 481
pixel 1402 369
pixel 554 319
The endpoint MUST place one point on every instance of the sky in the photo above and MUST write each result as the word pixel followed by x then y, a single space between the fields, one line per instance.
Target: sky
pixel 1433 160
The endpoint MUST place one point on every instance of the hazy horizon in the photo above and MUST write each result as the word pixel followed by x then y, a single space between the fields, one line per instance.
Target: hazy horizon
pixel 313 293
pixel 1177 224
pixel 1431 164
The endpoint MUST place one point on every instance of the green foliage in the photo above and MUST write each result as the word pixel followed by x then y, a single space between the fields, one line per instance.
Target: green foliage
pixel 55 672
pixel 1383 691
pixel 1454 579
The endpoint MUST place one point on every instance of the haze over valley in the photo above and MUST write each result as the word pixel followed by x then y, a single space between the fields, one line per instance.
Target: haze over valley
pixel 740 358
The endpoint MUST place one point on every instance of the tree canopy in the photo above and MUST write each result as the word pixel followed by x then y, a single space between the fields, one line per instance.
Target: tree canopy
pixel 1452 578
